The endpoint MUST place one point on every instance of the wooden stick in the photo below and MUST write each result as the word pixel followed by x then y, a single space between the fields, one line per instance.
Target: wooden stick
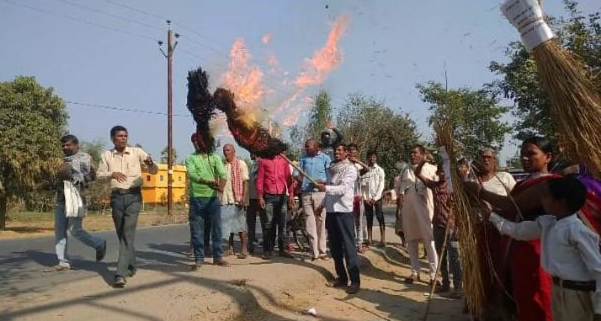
pixel 433 287
pixel 300 170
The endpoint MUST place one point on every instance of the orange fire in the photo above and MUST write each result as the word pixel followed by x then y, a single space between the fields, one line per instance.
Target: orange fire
pixel 243 79
pixel 317 69
pixel 267 38
pixel 246 81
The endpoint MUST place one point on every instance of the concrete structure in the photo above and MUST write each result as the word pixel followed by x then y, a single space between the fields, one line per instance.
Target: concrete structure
pixel 154 189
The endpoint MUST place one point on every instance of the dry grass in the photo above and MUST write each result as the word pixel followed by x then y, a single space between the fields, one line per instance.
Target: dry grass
pixel 24 225
pixel 575 104
pixel 467 225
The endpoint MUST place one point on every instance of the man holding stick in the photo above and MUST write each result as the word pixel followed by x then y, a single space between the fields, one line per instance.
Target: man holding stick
pixel 340 192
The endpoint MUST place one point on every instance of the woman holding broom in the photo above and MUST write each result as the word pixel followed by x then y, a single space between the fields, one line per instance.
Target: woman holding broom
pixel 519 265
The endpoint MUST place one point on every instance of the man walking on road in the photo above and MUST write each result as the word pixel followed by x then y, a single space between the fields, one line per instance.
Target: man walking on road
pixel 123 166
pixel 315 164
pixel 75 173
pixel 340 192
pixel 207 177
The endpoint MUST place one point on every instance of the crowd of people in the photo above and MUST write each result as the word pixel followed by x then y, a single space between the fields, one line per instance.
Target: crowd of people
pixel 540 259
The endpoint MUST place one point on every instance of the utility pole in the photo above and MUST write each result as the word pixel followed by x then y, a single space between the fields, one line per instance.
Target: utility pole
pixel 171 44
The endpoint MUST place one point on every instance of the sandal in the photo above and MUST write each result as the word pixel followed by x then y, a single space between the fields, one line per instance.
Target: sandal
pixel 222 263
pixel 242 256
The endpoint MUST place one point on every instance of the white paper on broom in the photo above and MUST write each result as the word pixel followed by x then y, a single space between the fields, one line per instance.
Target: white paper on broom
pixel 527 17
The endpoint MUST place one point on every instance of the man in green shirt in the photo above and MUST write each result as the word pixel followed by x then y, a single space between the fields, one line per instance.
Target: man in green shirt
pixel 207 177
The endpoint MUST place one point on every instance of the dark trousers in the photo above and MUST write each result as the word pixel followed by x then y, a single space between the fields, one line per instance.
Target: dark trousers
pixel 205 211
pixel 369 213
pixel 275 221
pixel 126 209
pixel 251 220
pixel 341 233
pixel 453 256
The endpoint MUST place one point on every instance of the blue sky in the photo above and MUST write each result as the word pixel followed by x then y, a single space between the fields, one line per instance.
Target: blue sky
pixel 389 46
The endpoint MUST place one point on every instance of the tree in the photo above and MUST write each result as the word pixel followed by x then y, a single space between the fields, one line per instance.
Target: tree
pixel 319 118
pixel 94 148
pixel 33 120
pixel 519 80
pixel 97 192
pixel 475 115
pixel 373 126
pixel 164 156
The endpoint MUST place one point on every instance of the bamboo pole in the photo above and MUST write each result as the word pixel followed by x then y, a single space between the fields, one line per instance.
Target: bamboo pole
pixel 300 170
pixel 433 286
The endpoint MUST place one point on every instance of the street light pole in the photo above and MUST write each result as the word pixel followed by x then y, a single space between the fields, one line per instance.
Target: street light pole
pixel 171 44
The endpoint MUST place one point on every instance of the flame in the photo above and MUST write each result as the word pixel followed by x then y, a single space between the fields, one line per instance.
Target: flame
pixel 274 64
pixel 243 79
pixel 246 81
pixel 316 70
pixel 267 38
pixel 325 59
pixel 292 118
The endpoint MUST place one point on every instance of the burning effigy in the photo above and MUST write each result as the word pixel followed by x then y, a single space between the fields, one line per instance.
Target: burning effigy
pixel 246 130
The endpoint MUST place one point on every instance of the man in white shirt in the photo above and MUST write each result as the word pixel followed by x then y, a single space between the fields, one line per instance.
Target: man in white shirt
pixel 373 187
pixel 123 166
pixel 569 249
pixel 234 201
pixel 417 203
pixel 338 202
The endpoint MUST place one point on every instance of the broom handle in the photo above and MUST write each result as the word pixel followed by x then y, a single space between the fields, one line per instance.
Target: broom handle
pixel 433 287
pixel 300 170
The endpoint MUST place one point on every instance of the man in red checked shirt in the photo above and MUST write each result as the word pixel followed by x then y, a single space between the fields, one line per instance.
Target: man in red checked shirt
pixel 274 184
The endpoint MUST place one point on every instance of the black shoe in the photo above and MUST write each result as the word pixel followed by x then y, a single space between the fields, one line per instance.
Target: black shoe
pixel 441 288
pixel 409 280
pixel 353 289
pixel 119 282
pixel 338 283
pixel 101 253
pixel 132 272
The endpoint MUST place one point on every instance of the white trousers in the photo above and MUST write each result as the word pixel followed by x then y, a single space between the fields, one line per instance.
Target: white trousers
pixel 414 257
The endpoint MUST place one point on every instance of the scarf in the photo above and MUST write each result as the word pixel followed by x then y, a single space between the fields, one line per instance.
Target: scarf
pixel 237 184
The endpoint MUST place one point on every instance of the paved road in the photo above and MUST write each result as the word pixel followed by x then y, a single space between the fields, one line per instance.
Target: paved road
pixel 22 261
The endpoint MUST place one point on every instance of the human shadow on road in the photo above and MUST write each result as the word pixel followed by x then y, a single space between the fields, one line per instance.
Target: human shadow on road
pixel 245 295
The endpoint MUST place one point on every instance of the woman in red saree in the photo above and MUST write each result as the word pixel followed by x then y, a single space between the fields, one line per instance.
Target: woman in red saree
pixel 518 267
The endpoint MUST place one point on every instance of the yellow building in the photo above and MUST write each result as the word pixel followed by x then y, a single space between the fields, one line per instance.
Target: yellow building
pixel 154 189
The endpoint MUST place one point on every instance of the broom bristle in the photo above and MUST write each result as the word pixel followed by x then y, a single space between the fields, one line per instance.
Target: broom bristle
pixel 467 226
pixel 575 104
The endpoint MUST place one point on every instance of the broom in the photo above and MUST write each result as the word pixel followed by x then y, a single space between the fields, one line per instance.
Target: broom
pixel 467 225
pixel 575 103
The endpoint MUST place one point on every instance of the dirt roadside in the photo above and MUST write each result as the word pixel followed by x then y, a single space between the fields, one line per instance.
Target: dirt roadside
pixel 250 289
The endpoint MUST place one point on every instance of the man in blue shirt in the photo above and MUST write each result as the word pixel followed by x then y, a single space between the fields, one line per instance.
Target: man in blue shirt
pixel 315 164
